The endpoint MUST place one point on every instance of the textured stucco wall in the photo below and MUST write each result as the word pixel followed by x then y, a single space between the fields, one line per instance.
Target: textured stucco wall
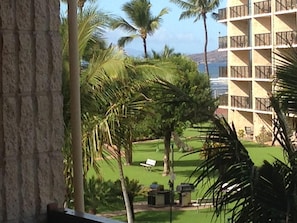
pixel 31 130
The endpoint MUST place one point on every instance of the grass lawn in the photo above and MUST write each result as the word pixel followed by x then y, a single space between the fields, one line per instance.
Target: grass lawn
pixel 204 215
pixel 183 167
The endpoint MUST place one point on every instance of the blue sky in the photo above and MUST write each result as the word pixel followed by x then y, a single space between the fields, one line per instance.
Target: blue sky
pixel 184 36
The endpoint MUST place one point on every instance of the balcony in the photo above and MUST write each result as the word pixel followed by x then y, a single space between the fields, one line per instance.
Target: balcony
pixel 55 215
pixel 239 11
pixel 283 5
pixel 286 38
pixel 262 7
pixel 240 72
pixel 263 104
pixel 223 42
pixel 240 102
pixel 223 71
pixel 263 72
pixel 239 41
pixel 223 100
pixel 263 39
pixel 222 14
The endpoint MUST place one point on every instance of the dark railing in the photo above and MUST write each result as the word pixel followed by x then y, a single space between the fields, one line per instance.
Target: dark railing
pixel 282 5
pixel 240 71
pixel 239 11
pixel 240 102
pixel 263 72
pixel 223 71
pixel 223 99
pixel 222 14
pixel 55 215
pixel 262 7
pixel 263 39
pixel 263 104
pixel 239 41
pixel 223 42
pixel 286 38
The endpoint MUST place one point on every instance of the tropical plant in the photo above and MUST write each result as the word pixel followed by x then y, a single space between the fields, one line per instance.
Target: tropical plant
pixel 142 22
pixel 165 54
pixel 98 192
pixel 187 100
pixel 198 9
pixel 266 193
pixel 133 188
pixel 90 29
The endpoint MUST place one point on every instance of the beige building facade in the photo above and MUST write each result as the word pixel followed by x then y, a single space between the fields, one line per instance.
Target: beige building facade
pixel 256 30
pixel 31 110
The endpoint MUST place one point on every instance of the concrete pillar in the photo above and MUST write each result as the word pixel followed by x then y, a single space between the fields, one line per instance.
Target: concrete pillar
pixel 31 117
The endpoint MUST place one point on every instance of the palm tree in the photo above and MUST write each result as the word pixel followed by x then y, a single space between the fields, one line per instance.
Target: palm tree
pixel 266 193
pixel 111 98
pixel 142 22
pixel 165 54
pixel 198 9
pixel 101 63
pixel 80 4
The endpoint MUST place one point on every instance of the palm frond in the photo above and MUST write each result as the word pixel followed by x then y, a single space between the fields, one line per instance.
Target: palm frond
pixel 126 39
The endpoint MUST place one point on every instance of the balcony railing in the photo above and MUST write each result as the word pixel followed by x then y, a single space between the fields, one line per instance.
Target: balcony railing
pixel 240 102
pixel 286 38
pixel 263 104
pixel 223 100
pixel 262 7
pixel 240 71
pixel 263 72
pixel 222 14
pixel 223 42
pixel 55 215
pixel 263 39
pixel 239 41
pixel 223 71
pixel 282 5
pixel 239 11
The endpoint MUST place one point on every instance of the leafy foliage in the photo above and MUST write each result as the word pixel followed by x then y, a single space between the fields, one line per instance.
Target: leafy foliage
pixel 142 23
pixel 266 193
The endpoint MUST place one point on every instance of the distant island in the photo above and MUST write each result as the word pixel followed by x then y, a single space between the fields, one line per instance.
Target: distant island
pixel 214 56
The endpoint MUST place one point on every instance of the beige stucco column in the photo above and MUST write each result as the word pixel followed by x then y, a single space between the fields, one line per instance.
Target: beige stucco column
pixel 31 118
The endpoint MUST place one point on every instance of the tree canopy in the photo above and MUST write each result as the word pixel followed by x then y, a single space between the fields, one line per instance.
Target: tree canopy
pixel 141 22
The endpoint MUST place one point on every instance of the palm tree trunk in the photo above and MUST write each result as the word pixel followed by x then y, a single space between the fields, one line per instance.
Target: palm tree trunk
pixel 205 45
pixel 144 47
pixel 123 186
pixel 128 150
pixel 166 159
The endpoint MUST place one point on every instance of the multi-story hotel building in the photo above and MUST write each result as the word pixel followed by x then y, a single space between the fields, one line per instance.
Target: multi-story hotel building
pixel 256 30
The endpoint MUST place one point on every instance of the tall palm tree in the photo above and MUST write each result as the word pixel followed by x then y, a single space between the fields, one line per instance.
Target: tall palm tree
pixel 142 23
pixel 266 193
pixel 110 86
pixel 99 64
pixel 80 4
pixel 198 9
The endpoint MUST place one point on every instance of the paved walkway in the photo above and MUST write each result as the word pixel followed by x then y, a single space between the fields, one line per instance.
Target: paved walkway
pixel 143 206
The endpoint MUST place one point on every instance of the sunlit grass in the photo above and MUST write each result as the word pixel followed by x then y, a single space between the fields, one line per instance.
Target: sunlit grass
pixel 183 165
pixel 203 216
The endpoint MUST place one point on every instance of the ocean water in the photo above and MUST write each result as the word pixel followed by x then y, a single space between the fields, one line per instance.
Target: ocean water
pixel 218 86
pixel 213 68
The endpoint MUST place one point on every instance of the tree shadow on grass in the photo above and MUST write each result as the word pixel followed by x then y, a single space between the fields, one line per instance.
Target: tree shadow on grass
pixel 156 216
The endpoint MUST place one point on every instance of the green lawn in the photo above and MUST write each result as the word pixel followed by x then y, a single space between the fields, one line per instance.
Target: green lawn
pixel 183 167
pixel 200 216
